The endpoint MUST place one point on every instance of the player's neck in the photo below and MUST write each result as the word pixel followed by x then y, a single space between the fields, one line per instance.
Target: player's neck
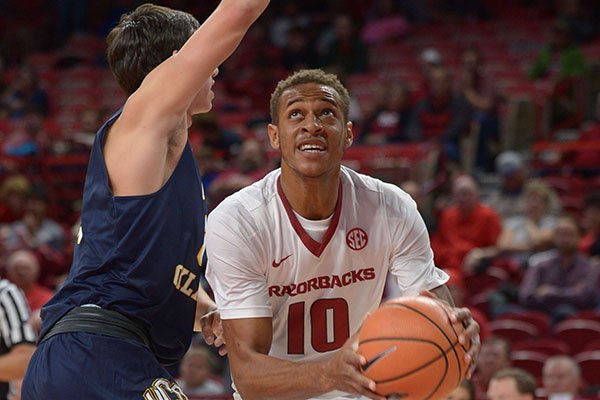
pixel 314 199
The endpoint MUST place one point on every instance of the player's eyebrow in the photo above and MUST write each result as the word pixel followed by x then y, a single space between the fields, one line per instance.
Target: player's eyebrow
pixel 300 99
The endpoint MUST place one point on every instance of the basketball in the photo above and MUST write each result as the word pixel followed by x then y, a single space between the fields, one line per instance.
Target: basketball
pixel 412 349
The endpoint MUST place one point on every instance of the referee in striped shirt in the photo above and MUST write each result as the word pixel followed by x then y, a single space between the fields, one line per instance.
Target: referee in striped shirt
pixel 17 337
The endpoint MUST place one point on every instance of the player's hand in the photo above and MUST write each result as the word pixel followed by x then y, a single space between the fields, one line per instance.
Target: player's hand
pixel 469 338
pixel 342 371
pixel 211 328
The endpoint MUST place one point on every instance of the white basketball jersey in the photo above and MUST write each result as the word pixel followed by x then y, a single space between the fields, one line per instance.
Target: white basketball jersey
pixel 262 263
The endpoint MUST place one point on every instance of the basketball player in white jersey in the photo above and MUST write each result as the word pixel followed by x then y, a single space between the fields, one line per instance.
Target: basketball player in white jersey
pixel 298 259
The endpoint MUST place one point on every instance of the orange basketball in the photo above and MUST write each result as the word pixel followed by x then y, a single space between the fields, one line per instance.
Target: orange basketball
pixel 412 349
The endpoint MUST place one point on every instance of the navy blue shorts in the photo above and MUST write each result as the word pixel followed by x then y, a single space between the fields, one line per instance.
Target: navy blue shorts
pixel 75 366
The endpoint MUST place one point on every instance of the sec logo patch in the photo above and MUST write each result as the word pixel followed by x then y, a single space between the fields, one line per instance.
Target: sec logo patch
pixel 357 239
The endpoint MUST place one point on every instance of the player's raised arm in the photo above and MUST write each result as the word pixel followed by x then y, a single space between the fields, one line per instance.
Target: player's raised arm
pixel 165 61
pixel 174 84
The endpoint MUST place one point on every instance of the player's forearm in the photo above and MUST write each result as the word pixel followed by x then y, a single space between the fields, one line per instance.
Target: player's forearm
pixel 204 303
pixel 14 363
pixel 264 377
pixel 252 8
pixel 216 39
pixel 443 293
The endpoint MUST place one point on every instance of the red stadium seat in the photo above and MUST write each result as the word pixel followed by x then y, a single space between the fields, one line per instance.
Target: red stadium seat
pixel 513 330
pixel 593 345
pixel 480 301
pixel 589 362
pixel 530 361
pixel 577 332
pixel 589 315
pixel 486 281
pixel 548 346
pixel 538 318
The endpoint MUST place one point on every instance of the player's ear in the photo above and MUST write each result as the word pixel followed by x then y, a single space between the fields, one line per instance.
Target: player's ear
pixel 273 132
pixel 349 135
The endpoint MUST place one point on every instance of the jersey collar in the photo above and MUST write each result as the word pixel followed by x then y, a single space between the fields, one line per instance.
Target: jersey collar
pixel 312 245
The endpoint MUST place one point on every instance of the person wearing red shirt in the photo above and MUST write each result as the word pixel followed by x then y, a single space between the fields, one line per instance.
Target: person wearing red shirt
pixel 465 230
pixel 23 269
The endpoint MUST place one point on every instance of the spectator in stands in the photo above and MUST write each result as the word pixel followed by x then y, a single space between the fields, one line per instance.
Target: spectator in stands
pixel 252 159
pixel 493 357
pixel 226 185
pixel 512 383
pixel 298 53
pixel 344 52
pixel 564 282
pixel 36 230
pixel 429 60
pixel 465 230
pixel 563 65
pixel 418 193
pixel 39 233
pixel 224 142
pixel 196 373
pixel 464 391
pixel 590 241
pixel 386 24
pixel 28 136
pixel 441 116
pixel 390 119
pixel 560 59
pixel 561 378
pixel 89 121
pixel 484 101
pixel 289 16
pixel 23 269
pixel 14 192
pixel 22 94
pixel 509 200
pixel 523 235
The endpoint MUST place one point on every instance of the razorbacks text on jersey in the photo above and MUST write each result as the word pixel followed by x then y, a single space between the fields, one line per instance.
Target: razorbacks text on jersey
pixel 263 262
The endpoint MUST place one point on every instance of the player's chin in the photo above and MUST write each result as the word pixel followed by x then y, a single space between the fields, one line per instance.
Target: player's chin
pixel 204 108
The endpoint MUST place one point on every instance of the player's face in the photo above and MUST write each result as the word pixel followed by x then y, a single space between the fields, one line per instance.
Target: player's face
pixel 203 101
pixel 312 132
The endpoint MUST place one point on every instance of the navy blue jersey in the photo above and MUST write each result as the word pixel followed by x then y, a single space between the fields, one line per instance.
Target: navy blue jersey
pixel 139 255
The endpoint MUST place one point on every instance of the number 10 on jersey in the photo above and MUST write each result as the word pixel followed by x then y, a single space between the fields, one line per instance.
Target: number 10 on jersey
pixel 329 325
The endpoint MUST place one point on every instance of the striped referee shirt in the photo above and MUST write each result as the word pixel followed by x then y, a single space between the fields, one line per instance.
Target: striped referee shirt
pixel 14 317
pixel 14 322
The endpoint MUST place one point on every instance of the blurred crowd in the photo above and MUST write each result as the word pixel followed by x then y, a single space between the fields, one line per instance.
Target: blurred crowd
pixel 517 229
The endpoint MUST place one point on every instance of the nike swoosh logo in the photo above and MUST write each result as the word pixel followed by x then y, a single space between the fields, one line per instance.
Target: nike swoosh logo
pixel 276 264
pixel 379 357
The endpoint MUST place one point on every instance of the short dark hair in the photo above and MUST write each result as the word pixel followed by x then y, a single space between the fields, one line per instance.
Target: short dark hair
pixel 143 39
pixel 524 381
pixel 309 76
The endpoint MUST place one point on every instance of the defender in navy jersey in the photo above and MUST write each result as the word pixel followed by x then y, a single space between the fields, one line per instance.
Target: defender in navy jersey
pixel 128 305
